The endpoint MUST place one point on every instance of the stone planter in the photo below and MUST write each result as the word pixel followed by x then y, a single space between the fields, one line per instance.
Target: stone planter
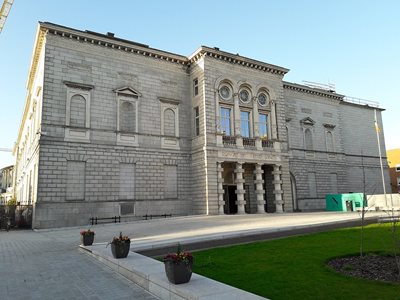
pixel 120 249
pixel 179 272
pixel 87 239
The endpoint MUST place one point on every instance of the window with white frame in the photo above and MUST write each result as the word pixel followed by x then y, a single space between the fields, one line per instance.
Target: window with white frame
pixel 245 123
pixel 263 125
pixel 196 121
pixel 195 87
pixel 169 123
pixel 127 116
pixel 397 168
pixel 77 117
pixel 225 115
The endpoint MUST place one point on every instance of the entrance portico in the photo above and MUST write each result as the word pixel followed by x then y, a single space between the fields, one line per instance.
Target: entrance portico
pixel 243 188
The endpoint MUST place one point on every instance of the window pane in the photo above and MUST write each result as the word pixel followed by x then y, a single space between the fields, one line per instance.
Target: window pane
pixel 245 123
pixel 226 120
pixel 263 128
pixel 197 121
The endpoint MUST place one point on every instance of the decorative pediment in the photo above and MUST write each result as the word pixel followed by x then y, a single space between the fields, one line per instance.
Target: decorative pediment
pixel 307 121
pixel 329 126
pixel 128 91
pixel 80 86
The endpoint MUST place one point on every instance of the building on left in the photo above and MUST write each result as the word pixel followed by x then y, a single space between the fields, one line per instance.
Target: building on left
pixel 6 184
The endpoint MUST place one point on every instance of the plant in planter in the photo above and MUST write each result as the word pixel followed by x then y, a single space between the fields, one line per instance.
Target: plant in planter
pixel 120 246
pixel 178 266
pixel 87 237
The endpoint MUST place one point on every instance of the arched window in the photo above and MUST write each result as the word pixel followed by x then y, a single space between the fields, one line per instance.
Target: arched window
pixel 308 139
pixel 329 142
pixel 77 111
pixel 169 122
pixel 128 116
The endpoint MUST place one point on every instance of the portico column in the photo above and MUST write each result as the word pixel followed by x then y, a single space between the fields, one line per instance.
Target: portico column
pixel 259 189
pixel 239 188
pixel 220 181
pixel 277 182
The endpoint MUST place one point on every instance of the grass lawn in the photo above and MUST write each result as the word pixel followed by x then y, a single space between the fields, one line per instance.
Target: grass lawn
pixel 294 268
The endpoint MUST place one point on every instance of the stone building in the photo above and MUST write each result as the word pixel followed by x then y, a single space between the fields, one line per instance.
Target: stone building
pixel 393 157
pixel 113 127
pixel 6 184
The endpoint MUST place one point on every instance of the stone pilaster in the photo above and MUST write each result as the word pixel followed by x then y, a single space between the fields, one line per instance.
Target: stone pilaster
pixel 277 182
pixel 273 121
pixel 259 189
pixel 240 188
pixel 220 181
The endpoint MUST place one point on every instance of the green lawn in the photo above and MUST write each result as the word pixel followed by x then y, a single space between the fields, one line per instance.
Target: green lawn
pixel 294 268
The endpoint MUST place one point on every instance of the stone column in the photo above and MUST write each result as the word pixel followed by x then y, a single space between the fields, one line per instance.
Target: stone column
pixel 236 118
pixel 220 181
pixel 277 182
pixel 259 189
pixel 239 188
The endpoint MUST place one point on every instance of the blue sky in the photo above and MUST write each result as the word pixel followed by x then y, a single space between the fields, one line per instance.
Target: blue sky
pixel 353 44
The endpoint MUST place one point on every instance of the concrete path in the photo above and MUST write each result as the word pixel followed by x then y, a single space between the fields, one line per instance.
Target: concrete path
pixel 46 264
pixel 36 266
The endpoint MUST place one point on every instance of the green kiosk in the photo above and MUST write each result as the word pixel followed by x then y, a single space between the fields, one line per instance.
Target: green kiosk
pixel 344 202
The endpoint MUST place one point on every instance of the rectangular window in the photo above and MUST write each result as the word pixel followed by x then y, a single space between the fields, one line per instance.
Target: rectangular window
pixel 75 180
pixel 333 183
pixel 263 125
pixel 196 121
pixel 170 181
pixel 226 120
pixel 397 168
pixel 245 123
pixel 312 185
pixel 126 181
pixel 195 86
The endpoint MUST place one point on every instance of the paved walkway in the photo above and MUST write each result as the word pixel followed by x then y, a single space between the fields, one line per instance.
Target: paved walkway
pixel 36 266
pixel 46 264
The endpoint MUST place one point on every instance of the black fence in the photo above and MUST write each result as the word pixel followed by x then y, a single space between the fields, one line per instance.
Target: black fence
pixel 117 219
pixel 15 216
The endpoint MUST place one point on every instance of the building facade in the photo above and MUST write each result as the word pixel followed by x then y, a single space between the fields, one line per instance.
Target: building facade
pixel 393 157
pixel 113 127
pixel 6 184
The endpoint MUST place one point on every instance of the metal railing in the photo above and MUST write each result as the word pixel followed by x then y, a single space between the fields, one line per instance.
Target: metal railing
pixel 267 143
pixel 249 142
pixel 229 140
pixel 361 101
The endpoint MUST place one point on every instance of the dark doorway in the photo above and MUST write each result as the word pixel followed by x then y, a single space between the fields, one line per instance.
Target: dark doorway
pixel 230 198
pixel 349 206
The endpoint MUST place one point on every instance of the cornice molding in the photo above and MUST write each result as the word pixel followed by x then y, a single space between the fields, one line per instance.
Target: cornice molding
pixel 236 59
pixel 305 89
pixel 109 41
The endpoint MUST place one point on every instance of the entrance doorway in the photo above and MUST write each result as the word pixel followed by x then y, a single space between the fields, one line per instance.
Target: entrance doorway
pixel 230 199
